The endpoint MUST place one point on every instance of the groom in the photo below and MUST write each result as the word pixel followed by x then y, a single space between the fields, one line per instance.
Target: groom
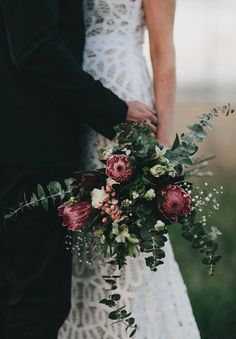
pixel 44 97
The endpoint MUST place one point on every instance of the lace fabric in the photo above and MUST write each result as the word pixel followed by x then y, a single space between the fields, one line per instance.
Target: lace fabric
pixel 158 300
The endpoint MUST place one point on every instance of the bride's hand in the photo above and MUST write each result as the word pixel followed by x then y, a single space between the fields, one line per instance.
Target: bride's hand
pixel 139 112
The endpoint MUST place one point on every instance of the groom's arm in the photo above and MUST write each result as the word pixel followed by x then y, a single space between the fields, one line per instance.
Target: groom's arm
pixel 39 53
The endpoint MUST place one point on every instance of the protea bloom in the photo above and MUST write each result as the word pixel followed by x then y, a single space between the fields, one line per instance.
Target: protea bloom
pixel 176 203
pixel 75 216
pixel 119 168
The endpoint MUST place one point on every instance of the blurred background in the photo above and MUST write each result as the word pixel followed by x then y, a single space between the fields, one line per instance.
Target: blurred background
pixel 205 38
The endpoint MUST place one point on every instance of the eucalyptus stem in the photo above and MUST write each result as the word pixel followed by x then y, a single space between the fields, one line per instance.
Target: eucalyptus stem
pixel 32 203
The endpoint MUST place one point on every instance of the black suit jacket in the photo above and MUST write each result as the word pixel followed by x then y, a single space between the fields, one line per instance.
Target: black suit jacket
pixel 44 93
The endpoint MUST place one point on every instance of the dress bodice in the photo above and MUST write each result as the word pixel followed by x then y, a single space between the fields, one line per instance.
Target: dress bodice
pixel 115 20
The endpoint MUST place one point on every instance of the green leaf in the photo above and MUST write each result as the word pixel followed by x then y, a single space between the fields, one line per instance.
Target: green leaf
pixel 133 333
pixel 54 187
pixel 145 235
pixel 44 203
pixel 114 315
pixel 188 235
pixel 69 184
pixel 40 191
pixel 216 258
pixel 110 281
pixel 206 261
pixel 115 297
pixel 131 321
pixel 108 302
pixel 198 243
pixel 159 241
pixel 62 194
pixel 198 129
pixel 159 253
pixel 176 143
pixel 187 161
pixel 34 200
pixel 42 196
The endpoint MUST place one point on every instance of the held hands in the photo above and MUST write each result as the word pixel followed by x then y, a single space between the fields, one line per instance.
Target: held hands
pixel 164 132
pixel 140 112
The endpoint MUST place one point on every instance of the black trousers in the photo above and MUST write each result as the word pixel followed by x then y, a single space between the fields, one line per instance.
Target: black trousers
pixel 35 267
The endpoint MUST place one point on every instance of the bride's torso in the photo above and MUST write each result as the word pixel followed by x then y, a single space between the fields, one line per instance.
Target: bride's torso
pixel 114 47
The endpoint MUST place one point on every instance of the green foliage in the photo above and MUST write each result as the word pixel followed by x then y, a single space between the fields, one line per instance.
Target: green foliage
pixel 185 146
pixel 54 193
pixel 201 240
pixel 119 314
pixel 139 138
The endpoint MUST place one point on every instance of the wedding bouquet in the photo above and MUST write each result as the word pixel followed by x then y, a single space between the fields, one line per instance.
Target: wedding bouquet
pixel 129 204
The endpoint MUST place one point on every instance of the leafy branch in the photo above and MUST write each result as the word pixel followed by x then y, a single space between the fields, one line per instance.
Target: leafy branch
pixel 55 193
pixel 119 313
pixel 201 240
pixel 185 145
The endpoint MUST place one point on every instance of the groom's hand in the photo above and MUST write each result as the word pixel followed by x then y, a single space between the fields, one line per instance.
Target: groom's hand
pixel 139 112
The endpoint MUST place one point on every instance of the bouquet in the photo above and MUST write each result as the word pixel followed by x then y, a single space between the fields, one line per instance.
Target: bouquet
pixel 128 206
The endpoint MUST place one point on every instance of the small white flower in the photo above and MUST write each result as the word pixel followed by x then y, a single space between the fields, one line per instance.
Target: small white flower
pixel 159 225
pixel 121 232
pixel 150 194
pixel 135 195
pixel 160 152
pixel 127 151
pixel 98 196
pixel 126 203
pixel 215 232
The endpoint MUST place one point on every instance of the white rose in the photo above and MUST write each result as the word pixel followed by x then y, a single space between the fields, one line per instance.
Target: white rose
pixel 150 194
pixel 157 170
pixel 98 196
pixel 159 225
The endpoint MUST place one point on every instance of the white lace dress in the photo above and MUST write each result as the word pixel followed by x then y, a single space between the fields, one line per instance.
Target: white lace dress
pixel 159 301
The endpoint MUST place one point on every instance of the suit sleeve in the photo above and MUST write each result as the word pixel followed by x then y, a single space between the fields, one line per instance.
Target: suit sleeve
pixel 41 56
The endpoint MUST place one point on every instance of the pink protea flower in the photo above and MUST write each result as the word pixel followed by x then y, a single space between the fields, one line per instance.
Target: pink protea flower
pixel 118 168
pixel 177 202
pixel 75 216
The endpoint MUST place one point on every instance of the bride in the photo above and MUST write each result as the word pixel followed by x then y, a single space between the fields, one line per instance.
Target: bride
pixel 114 55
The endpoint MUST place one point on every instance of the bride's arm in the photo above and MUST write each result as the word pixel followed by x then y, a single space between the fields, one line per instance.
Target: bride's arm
pixel 160 21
